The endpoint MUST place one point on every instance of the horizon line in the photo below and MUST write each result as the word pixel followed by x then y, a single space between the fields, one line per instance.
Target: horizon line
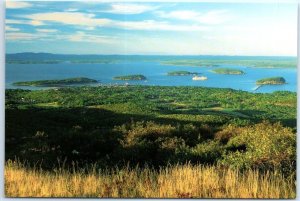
pixel 153 54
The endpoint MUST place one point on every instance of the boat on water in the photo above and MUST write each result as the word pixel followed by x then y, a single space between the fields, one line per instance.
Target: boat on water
pixel 199 78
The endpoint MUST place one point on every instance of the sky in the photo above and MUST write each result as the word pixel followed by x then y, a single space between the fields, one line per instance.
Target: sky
pixel 152 28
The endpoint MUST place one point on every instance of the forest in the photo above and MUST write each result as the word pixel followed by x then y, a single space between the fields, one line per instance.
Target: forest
pixel 229 71
pixel 130 77
pixel 271 80
pixel 52 83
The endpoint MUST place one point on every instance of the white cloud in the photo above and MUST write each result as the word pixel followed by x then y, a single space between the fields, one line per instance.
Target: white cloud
pixel 74 18
pixel 182 14
pixel 36 23
pixel 17 4
pixel 28 22
pixel 129 8
pixel 71 10
pixel 89 28
pixel 215 17
pixel 89 20
pixel 47 30
pixel 83 37
pixel 43 35
pixel 9 28
pixel 210 17
pixel 17 36
pixel 256 38
pixel 152 25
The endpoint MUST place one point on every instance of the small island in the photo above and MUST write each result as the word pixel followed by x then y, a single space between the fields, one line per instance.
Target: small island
pixel 271 81
pixel 52 83
pixel 130 77
pixel 181 73
pixel 228 71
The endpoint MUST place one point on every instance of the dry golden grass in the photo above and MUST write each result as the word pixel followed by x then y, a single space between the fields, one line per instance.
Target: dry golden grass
pixel 183 181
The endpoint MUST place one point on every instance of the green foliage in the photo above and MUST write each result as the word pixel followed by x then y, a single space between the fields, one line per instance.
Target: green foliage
pixel 121 125
pixel 227 133
pixel 180 103
pixel 265 63
pixel 45 83
pixel 271 80
pixel 181 73
pixel 229 71
pixel 208 152
pixel 262 146
pixel 130 77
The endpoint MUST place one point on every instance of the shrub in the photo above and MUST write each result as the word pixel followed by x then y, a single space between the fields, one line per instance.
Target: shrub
pixel 264 146
pixel 228 132
pixel 148 142
pixel 208 152
pixel 139 132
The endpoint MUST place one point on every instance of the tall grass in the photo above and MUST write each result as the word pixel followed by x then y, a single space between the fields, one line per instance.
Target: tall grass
pixel 179 181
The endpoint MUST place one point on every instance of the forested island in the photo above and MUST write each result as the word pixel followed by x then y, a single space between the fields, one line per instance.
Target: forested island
pixel 228 71
pixel 49 83
pixel 257 63
pixel 271 81
pixel 181 73
pixel 130 77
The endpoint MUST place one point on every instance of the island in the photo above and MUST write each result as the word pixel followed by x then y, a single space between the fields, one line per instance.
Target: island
pixel 130 77
pixel 271 81
pixel 52 83
pixel 254 62
pixel 181 73
pixel 228 71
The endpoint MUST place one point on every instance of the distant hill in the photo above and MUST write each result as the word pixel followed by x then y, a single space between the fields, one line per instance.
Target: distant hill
pixel 32 58
pixel 188 60
pixel 49 56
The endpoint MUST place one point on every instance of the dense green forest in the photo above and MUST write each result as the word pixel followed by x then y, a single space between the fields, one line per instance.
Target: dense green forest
pixel 271 80
pixel 154 126
pixel 130 77
pixel 181 73
pixel 229 71
pixel 47 83
pixel 289 63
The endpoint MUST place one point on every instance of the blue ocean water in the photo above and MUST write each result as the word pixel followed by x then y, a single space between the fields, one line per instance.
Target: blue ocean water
pixel 155 72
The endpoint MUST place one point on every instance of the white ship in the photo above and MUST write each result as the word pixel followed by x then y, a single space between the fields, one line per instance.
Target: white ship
pixel 199 78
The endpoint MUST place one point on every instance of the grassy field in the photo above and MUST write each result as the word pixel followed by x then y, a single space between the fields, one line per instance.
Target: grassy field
pixel 179 181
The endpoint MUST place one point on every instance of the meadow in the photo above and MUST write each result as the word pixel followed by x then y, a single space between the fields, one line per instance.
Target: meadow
pixel 150 141
pixel 179 181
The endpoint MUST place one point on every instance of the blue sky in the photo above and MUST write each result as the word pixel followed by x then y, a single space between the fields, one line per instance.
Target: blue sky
pixel 152 28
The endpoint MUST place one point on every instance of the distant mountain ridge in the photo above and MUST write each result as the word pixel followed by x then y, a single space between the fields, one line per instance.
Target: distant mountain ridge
pixel 185 60
pixel 43 55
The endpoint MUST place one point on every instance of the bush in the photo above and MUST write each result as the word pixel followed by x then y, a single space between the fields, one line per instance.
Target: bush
pixel 208 152
pixel 141 132
pixel 263 146
pixel 228 132
pixel 148 142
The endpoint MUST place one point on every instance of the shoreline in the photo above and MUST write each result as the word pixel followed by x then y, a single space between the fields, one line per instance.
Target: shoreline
pixel 146 86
